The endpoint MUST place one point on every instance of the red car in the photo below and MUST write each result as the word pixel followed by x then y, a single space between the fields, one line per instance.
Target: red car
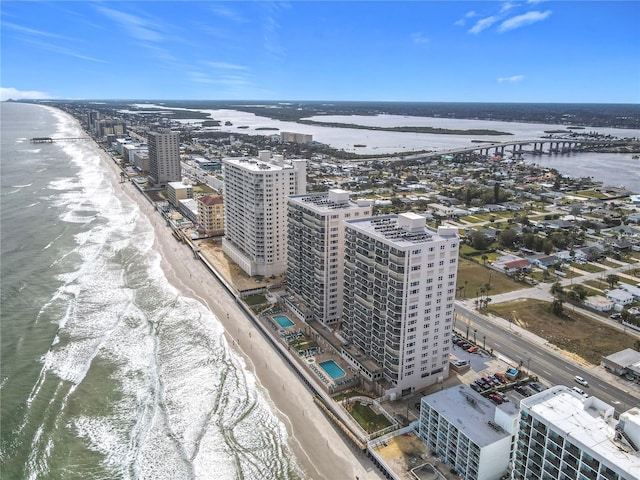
pixel 500 377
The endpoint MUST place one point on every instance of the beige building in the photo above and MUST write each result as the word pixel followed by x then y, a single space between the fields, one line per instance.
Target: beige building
pixel 179 191
pixel 211 214
pixel 164 157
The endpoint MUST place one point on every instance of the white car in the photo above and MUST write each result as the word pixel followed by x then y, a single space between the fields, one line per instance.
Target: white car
pixel 580 391
pixel 581 381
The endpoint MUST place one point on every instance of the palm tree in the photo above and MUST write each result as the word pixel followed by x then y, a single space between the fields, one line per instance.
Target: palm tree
pixel 484 259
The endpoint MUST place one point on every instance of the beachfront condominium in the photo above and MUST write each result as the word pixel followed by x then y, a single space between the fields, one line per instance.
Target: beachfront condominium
pixel 565 435
pixel 315 252
pixel 211 214
pixel 255 210
pixel 469 432
pixel 164 157
pixel 399 289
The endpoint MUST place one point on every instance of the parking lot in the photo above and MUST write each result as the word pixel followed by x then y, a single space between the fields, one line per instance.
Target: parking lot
pixel 488 375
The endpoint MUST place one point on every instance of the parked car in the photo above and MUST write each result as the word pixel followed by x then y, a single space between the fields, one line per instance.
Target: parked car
pixel 494 379
pixel 581 381
pixel 536 386
pixel 502 396
pixel 484 385
pixel 489 383
pixel 500 377
pixel 476 387
pixel 473 349
pixel 497 399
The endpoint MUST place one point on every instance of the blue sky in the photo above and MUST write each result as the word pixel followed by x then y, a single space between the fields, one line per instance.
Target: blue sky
pixel 482 51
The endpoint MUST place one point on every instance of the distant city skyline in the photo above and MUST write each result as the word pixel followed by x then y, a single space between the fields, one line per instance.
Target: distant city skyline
pixel 429 51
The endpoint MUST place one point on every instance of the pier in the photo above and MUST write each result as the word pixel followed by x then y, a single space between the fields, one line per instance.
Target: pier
pixel 57 139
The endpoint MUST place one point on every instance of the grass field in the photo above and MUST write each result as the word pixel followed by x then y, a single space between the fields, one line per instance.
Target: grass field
pixel 582 336
pixel 367 418
pixel 472 277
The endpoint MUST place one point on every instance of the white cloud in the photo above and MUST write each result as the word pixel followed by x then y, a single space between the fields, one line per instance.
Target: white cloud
pixel 483 24
pixel 462 21
pixel 30 31
pixel 513 79
pixel 419 38
pixel 522 20
pixel 227 13
pixel 506 7
pixel 62 50
pixel 137 27
pixel 225 66
pixel 7 93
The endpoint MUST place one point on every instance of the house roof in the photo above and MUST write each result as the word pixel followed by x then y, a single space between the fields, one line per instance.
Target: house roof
pixel 522 263
pixel 210 200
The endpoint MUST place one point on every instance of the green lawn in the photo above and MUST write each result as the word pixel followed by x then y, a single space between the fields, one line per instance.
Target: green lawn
pixel 591 194
pixel 588 267
pixel 367 418
pixel 473 277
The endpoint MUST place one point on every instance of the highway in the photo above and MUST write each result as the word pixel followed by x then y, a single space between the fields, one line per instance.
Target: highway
pixel 541 359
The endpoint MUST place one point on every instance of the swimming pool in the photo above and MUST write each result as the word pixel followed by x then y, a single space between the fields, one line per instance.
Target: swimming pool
pixel 333 369
pixel 283 321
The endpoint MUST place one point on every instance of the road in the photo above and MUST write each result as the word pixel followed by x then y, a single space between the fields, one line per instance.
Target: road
pixel 553 367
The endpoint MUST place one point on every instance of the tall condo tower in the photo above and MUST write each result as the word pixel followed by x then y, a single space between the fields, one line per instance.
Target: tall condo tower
pixel 255 210
pixel 164 157
pixel 399 289
pixel 315 252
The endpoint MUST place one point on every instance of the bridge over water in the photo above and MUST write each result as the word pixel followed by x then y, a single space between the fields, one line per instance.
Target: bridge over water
pixel 516 147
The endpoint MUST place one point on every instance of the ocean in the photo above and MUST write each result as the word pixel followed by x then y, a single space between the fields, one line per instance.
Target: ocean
pixel 96 344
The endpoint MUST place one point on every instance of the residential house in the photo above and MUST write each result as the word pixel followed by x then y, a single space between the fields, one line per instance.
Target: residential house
pixel 544 261
pixel 599 303
pixel 620 297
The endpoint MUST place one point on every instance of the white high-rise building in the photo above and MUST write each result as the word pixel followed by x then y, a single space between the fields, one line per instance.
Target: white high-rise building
pixel 164 157
pixel 316 252
pixel 399 289
pixel 565 435
pixel 255 210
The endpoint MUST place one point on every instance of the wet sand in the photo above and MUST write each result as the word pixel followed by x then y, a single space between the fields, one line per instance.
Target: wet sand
pixel 321 451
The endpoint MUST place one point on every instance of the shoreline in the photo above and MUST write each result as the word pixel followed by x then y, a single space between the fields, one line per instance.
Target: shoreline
pixel 319 449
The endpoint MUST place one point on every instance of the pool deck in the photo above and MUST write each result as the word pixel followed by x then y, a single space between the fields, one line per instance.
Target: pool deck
pixel 317 351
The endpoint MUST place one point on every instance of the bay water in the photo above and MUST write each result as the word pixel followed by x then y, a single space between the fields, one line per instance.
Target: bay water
pixel 107 370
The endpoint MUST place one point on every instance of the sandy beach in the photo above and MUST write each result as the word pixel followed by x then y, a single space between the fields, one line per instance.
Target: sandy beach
pixel 320 450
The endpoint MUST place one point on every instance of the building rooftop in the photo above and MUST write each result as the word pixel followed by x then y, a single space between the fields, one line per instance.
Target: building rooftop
pixel 264 162
pixel 211 200
pixel 404 229
pixel 332 200
pixel 470 413
pixel 625 358
pixel 587 422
